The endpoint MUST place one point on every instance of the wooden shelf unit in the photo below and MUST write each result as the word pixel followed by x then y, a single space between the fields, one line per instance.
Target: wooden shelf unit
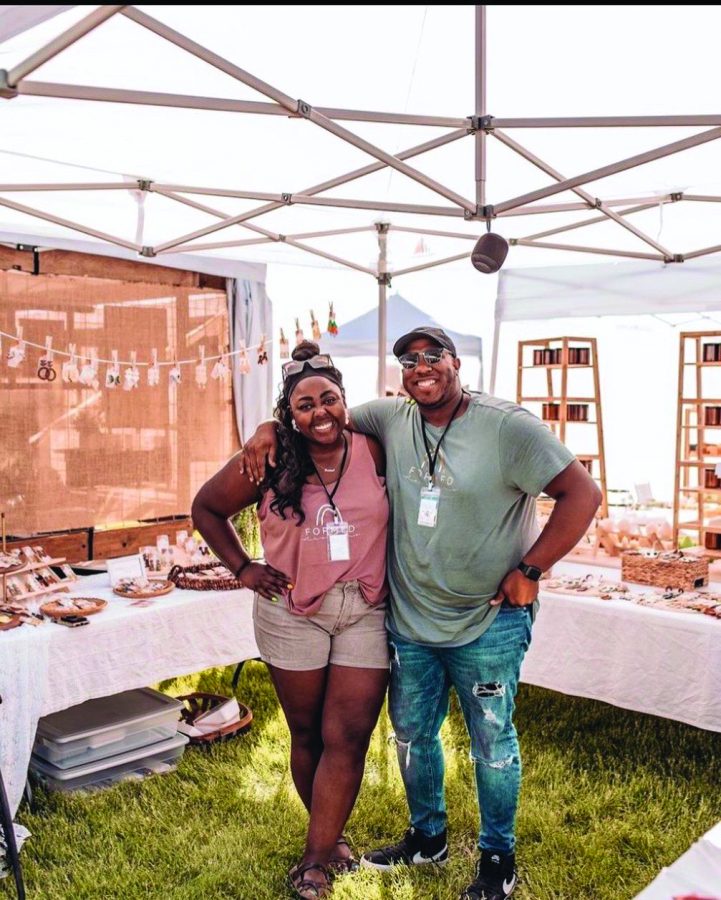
pixel 699 388
pixel 561 389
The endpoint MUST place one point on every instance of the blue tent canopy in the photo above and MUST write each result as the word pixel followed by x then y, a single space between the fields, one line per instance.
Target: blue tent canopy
pixel 359 337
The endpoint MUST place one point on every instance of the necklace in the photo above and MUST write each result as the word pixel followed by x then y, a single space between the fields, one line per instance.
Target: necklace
pixel 331 469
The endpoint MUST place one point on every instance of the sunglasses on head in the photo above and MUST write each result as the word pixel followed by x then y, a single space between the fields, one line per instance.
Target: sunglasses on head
pixel 294 366
pixel 430 358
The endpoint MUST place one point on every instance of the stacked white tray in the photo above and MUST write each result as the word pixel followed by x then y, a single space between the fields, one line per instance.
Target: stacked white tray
pixel 109 739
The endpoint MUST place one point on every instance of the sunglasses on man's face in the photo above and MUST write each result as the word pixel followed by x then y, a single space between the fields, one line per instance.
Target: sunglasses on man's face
pixel 430 358
pixel 294 366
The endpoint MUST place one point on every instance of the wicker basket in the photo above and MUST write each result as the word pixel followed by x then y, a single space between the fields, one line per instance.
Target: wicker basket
pixel 664 570
pixel 200 702
pixel 189 577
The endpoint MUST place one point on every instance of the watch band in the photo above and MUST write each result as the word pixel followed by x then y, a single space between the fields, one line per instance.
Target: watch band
pixel 532 572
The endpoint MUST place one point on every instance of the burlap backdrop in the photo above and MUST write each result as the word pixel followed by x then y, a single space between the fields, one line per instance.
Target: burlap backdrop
pixel 72 456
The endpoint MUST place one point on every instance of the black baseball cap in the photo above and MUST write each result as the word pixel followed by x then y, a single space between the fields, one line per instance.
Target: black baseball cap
pixel 437 335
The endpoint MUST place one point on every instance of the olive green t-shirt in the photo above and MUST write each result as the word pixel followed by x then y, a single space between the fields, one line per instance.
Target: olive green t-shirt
pixel 493 462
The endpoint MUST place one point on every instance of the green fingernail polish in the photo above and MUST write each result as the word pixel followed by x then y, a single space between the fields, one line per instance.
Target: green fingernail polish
pixel 273 599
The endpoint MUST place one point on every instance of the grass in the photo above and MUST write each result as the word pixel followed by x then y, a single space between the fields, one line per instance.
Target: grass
pixel 609 797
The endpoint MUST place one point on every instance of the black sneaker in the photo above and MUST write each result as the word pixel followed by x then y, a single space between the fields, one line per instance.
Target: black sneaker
pixel 415 849
pixel 496 877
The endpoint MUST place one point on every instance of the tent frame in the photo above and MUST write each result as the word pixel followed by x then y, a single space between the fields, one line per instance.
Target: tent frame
pixel 480 126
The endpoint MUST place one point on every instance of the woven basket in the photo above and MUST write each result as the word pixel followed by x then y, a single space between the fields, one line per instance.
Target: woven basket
pixel 199 702
pixel 664 570
pixel 187 577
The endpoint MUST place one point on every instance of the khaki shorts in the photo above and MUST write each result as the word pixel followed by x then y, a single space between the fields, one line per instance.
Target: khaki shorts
pixel 346 631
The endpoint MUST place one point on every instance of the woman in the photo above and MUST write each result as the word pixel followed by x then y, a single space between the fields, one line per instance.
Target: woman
pixel 319 598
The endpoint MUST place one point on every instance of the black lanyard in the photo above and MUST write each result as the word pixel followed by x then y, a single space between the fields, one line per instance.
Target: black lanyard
pixel 337 484
pixel 432 461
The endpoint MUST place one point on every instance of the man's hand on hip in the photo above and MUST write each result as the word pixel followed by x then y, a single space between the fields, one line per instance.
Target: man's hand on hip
pixel 516 589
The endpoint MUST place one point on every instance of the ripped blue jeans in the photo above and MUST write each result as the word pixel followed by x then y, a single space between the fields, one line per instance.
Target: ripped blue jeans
pixel 484 674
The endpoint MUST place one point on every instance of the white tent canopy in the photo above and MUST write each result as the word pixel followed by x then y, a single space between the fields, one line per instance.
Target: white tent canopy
pixel 224 133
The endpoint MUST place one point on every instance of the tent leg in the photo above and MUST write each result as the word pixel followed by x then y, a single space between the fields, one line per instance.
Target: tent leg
pixel 383 280
pixel 494 354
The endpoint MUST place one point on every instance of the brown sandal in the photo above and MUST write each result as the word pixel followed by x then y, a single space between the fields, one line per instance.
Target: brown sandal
pixel 307 888
pixel 343 865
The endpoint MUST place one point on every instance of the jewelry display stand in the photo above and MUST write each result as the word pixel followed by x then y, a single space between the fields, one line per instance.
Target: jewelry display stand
pixel 24 585
pixel 698 441
pixel 558 380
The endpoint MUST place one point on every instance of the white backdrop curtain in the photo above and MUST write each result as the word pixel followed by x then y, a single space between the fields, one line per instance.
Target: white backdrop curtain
pixel 249 318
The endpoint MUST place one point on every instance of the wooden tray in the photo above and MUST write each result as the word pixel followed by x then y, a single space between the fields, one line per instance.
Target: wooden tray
pixel 13 621
pixel 156 588
pixel 55 611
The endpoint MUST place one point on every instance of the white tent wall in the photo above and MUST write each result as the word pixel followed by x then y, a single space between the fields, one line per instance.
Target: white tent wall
pixel 636 310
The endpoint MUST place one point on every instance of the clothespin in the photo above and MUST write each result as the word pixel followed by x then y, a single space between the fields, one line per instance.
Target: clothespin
pixel 284 346
pixel 243 364
pixel 112 375
pixel 201 370
pixel 45 365
pixel 175 374
pixel 154 369
pixel 16 354
pixel 332 324
pixel 262 352
pixel 131 376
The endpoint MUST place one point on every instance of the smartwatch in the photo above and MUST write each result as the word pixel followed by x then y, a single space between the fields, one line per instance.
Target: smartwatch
pixel 532 572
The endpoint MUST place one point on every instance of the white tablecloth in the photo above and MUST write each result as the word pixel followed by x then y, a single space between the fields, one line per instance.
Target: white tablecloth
pixel 48 668
pixel 662 662
pixel 698 871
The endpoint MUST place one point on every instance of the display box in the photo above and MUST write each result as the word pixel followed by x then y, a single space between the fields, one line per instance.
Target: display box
pixel 136 764
pixel 664 570
pixel 106 727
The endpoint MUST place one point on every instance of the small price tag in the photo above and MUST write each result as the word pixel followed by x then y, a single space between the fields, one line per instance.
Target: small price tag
pixel 338 543
pixel 428 509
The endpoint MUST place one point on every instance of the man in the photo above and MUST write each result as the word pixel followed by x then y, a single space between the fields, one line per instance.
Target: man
pixel 464 560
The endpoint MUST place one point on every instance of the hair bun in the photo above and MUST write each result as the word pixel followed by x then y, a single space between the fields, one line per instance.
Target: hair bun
pixel 305 350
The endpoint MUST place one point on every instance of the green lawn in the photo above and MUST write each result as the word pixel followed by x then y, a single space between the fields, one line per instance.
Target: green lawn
pixel 609 797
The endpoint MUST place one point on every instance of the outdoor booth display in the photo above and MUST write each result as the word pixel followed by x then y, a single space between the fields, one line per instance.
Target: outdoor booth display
pixel 90 457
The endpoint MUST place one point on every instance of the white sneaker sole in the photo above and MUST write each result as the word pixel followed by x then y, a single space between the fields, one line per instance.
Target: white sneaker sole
pixel 386 867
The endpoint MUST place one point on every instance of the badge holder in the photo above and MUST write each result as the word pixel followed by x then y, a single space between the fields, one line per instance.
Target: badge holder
pixel 428 507
pixel 338 543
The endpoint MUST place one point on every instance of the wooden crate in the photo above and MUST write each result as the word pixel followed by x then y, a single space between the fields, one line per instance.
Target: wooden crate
pixel 72 545
pixel 124 541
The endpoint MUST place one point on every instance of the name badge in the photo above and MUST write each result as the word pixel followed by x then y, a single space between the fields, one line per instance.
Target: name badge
pixel 338 544
pixel 428 509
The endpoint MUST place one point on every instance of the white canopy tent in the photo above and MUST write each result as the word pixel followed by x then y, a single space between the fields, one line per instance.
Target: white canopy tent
pixel 618 289
pixel 66 72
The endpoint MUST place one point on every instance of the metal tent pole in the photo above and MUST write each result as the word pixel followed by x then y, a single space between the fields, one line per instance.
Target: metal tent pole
pixel 480 136
pixel 383 282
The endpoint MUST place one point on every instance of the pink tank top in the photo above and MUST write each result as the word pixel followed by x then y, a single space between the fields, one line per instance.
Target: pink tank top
pixel 301 551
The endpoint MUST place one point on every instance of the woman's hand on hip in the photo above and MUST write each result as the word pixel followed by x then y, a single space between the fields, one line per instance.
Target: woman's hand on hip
pixel 265 580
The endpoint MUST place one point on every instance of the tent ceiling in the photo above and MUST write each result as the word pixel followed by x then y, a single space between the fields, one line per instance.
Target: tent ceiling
pixel 200 179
